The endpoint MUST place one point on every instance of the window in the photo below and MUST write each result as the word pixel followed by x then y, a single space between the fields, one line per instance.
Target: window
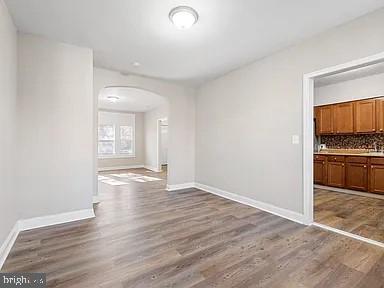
pixel 116 138
pixel 126 140
pixel 106 140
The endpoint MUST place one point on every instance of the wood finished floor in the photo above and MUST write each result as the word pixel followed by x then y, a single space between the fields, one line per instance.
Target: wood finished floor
pixel 144 236
pixel 359 215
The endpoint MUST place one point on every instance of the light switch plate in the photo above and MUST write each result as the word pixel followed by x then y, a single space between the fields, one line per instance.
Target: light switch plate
pixel 295 139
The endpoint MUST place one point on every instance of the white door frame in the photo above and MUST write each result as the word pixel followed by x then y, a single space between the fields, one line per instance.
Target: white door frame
pixel 308 101
pixel 158 166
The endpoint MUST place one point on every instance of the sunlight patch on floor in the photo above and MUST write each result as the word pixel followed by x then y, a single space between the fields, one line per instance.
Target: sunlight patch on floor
pixel 114 182
pixel 136 177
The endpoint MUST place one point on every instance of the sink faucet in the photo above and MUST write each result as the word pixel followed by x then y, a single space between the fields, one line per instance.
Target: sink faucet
pixel 375 147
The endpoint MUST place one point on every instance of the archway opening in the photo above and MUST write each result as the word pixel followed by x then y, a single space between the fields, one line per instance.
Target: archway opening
pixel 132 136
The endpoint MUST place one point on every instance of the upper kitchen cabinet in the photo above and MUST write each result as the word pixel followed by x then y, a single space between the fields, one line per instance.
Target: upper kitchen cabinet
pixel 324 119
pixel 343 118
pixel 380 115
pixel 355 117
pixel 365 116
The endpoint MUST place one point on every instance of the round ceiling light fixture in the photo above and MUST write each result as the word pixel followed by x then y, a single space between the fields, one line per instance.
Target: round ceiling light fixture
pixel 183 17
pixel 112 98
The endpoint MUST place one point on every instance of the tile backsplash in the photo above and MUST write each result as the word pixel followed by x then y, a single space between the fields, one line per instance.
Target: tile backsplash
pixel 365 141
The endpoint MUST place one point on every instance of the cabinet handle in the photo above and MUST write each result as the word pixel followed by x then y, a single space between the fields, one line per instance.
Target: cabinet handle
pixel 323 162
pixel 365 166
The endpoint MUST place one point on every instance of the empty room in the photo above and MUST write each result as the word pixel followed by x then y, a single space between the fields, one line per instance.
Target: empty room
pixel 190 143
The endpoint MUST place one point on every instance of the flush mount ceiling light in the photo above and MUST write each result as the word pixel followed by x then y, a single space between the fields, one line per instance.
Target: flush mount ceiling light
pixel 112 98
pixel 183 17
pixel 136 64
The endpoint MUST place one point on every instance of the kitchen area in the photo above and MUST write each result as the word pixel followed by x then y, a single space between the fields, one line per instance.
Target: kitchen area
pixel 348 161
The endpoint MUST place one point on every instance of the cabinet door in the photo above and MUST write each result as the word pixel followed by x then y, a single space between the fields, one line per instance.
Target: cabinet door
pixel 336 174
pixel 377 179
pixel 343 118
pixel 356 176
pixel 380 115
pixel 317 120
pixel 325 119
pixel 320 172
pixel 365 116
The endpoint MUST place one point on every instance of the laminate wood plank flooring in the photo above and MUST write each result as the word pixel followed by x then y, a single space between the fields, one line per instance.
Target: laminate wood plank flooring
pixel 144 236
pixel 363 216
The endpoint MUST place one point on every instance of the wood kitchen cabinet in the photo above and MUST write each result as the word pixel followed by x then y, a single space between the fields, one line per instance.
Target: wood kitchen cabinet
pixel 343 118
pixel 336 171
pixel 356 173
pixel 351 172
pixel 365 116
pixel 377 175
pixel 320 170
pixel 355 117
pixel 380 115
pixel 324 119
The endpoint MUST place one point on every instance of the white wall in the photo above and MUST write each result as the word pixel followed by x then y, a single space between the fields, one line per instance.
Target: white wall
pixel 181 116
pixel 245 120
pixel 55 127
pixel 8 93
pixel 138 159
pixel 150 123
pixel 360 88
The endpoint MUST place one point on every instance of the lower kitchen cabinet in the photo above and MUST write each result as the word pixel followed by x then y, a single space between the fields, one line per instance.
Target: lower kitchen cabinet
pixel 336 174
pixel 377 176
pixel 320 170
pixel 351 172
pixel 356 176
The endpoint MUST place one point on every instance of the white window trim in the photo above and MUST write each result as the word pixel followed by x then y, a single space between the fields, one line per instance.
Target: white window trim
pixel 116 156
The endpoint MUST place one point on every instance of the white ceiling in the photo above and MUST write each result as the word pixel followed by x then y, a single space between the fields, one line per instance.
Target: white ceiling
pixel 350 75
pixel 131 99
pixel 229 33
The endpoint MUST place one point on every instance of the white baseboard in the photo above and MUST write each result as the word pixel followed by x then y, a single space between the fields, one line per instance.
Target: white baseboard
pixel 38 222
pixel 288 214
pixel 8 244
pixel 95 199
pixel 112 168
pixel 347 191
pixel 154 169
pixel 180 186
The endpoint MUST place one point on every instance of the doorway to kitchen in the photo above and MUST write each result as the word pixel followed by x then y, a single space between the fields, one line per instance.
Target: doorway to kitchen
pixel 342 137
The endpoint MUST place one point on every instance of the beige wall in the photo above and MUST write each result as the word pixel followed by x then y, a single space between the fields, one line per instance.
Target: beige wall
pixel 8 90
pixel 151 119
pixel 138 160
pixel 245 120
pixel 55 127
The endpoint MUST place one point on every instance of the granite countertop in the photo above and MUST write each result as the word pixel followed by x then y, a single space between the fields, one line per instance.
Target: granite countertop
pixel 351 152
